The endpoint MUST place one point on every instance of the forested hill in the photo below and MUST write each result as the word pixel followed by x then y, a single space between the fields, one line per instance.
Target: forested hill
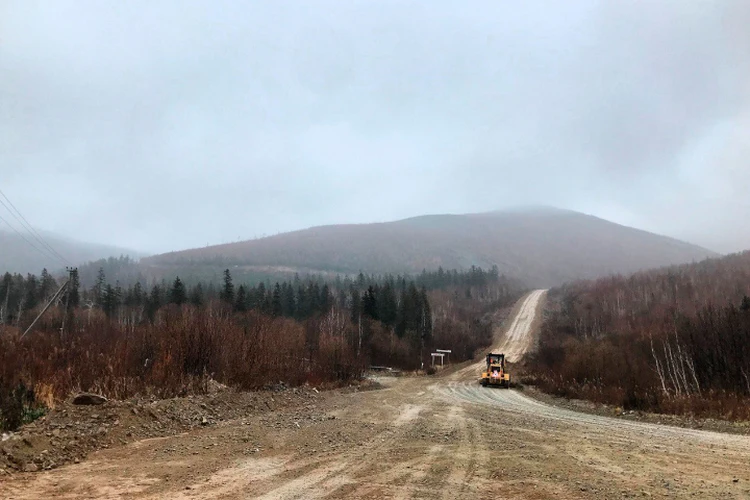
pixel 18 256
pixel 667 340
pixel 542 247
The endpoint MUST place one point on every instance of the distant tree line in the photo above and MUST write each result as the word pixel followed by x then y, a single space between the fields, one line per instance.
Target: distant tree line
pixel 19 294
pixel 390 299
pixel 128 271
pixel 168 338
pixel 396 302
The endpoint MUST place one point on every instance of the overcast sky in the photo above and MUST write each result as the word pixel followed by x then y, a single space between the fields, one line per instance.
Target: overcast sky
pixel 161 125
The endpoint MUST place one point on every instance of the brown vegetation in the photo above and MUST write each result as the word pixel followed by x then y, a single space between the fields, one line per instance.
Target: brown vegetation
pixel 673 340
pixel 175 340
pixel 179 352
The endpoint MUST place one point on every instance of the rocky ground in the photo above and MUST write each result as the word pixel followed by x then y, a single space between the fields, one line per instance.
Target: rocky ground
pixel 70 432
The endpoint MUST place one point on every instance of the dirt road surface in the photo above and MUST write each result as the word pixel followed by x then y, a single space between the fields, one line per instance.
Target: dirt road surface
pixel 518 339
pixel 429 437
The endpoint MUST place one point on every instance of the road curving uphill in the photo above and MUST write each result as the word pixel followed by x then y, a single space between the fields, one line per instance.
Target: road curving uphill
pixel 518 339
pixel 418 437
pixel 516 342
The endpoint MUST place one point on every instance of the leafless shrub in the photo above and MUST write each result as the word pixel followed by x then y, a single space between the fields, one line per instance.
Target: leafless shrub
pixel 654 341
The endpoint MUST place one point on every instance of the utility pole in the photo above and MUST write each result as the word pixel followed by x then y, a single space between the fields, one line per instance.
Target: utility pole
pixel 71 272
pixel 51 301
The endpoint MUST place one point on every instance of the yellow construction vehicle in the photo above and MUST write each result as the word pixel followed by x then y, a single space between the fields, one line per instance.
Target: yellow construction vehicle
pixel 495 373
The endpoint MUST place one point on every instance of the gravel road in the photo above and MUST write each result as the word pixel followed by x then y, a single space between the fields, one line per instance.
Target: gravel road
pixel 417 437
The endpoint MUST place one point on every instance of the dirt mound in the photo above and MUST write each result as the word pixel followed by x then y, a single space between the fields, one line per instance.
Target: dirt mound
pixel 69 432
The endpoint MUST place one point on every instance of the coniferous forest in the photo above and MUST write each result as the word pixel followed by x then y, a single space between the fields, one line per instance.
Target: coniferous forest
pixel 171 338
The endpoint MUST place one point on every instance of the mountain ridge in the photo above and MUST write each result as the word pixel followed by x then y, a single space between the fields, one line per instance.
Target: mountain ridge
pixel 543 246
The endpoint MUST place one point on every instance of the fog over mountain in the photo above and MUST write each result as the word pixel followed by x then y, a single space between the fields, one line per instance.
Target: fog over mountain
pixel 168 125
pixel 540 246
pixel 17 256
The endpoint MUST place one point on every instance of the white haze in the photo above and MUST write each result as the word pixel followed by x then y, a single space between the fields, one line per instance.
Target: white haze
pixel 161 125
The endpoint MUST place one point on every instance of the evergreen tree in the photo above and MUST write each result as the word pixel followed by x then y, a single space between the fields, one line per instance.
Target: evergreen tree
pixel 118 291
pixel 5 298
pixel 341 298
pixel 495 273
pixel 287 300
pixel 303 303
pixel 260 301
pixel 97 290
pixel 178 293
pixel 326 300
pixel 313 297
pixel 240 304
pixel 227 292
pixel 387 306
pixel 370 303
pixel 31 290
pixel 154 303
pixel 196 295
pixel 409 314
pixel 47 286
pixel 276 307
pixel 110 300
pixel 134 297
pixel 425 316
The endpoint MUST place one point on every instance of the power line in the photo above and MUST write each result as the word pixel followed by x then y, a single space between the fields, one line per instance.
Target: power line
pixel 44 251
pixel 47 254
pixel 30 229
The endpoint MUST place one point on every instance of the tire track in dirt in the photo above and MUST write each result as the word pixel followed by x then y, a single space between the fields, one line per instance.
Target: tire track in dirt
pixel 389 459
pixel 418 459
pixel 470 454
pixel 514 402
pixel 518 339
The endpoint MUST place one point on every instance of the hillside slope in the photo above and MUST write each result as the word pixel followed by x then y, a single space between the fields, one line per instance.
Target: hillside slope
pixel 543 247
pixel 17 256
pixel 670 340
